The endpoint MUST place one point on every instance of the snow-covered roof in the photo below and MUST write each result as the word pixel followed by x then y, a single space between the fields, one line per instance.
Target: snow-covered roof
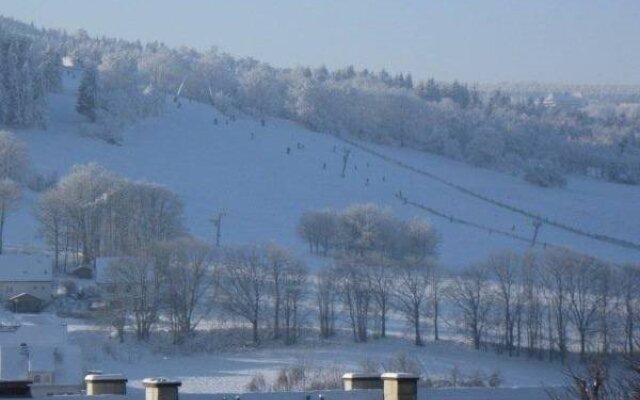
pixel 25 268
pixel 24 295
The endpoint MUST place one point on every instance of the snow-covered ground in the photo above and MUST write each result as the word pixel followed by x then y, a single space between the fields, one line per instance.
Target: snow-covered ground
pixel 229 369
pixel 243 168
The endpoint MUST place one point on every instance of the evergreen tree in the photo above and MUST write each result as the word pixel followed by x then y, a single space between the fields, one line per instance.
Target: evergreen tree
pixel 88 94
pixel 429 91
pixel 52 70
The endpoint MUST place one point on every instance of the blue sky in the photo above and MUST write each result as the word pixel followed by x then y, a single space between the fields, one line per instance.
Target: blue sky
pixel 578 41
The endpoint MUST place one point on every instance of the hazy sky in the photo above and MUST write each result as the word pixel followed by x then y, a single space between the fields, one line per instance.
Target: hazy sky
pixel 580 41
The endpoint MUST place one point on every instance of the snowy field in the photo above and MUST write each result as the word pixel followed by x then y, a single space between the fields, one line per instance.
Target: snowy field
pixel 229 369
pixel 243 168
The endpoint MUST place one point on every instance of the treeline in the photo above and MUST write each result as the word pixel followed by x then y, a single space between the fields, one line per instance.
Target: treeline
pixel 542 304
pixel 488 129
pixel 269 290
pixel 550 303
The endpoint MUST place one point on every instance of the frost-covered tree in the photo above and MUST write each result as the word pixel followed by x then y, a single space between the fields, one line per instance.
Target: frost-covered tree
pixel 9 198
pixel 22 84
pixel 92 212
pixel 13 164
pixel 87 103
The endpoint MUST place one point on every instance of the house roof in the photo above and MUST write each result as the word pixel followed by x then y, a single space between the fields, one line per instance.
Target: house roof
pixel 23 295
pixel 25 268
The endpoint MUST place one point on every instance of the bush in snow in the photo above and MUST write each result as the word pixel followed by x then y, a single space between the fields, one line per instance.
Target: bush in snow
pixel 257 383
pixel 544 174
pixel 40 182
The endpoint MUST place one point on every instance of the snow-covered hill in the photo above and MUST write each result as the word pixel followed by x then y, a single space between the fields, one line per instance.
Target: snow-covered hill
pixel 244 168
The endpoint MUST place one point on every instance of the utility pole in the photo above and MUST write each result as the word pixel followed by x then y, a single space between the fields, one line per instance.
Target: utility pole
pixel 345 161
pixel 217 222
pixel 536 226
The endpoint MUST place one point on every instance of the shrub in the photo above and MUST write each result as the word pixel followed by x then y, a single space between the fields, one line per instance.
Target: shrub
pixel 257 383
pixel 39 182
pixel 495 379
pixel 403 363
pixel 544 175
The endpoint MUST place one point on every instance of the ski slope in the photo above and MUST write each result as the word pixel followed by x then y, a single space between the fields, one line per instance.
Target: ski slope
pixel 243 168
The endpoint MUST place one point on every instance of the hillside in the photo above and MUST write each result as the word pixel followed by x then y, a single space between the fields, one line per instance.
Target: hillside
pixel 243 168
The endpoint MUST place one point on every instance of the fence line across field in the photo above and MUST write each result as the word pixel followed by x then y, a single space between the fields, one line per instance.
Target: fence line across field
pixel 497 203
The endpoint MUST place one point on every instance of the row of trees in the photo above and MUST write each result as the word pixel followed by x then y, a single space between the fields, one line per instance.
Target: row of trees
pixel 552 302
pixel 517 134
pixel 363 230
pixel 184 279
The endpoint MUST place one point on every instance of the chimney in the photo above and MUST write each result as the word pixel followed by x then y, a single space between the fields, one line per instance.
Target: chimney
pixel 98 384
pixel 161 389
pixel 400 386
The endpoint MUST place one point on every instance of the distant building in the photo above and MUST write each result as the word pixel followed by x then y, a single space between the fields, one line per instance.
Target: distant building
pixel 564 100
pixel 25 277
pixel 83 272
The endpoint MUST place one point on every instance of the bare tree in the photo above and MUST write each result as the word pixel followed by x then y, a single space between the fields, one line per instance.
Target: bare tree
pixel 608 302
pixel 411 293
pixel 137 281
pixel 583 301
pixel 555 277
pixel 533 307
pixel 242 284
pixel 186 270
pixel 354 285
pixel 435 286
pixel 294 281
pixel 506 268
pixel 278 260
pixel 629 286
pixel 326 294
pixel 471 294
pixel 382 281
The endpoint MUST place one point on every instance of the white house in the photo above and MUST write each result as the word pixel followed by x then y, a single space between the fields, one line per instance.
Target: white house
pixel 26 274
